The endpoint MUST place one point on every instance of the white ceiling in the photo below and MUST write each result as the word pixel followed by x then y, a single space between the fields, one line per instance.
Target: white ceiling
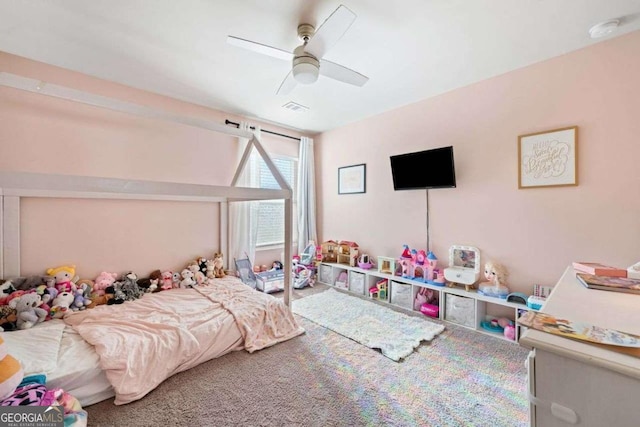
pixel 410 49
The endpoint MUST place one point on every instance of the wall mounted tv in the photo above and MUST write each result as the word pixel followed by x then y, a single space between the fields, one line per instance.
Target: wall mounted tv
pixel 424 169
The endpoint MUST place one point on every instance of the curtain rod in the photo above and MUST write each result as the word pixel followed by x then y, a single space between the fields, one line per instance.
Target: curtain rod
pixel 229 122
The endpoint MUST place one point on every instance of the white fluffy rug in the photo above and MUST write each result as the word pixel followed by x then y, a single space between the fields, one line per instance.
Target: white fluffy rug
pixel 368 323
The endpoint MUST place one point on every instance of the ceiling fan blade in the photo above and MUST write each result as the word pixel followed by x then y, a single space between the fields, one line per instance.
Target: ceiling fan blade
pixel 343 74
pixel 330 31
pixel 287 85
pixel 260 48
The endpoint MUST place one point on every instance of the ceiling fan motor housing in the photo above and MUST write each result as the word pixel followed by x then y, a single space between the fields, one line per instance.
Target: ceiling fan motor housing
pixel 305 66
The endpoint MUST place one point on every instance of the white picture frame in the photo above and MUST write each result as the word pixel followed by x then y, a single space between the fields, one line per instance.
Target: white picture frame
pixel 548 159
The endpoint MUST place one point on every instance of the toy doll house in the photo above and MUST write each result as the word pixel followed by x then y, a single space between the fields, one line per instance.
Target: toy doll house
pixel 348 253
pixel 330 251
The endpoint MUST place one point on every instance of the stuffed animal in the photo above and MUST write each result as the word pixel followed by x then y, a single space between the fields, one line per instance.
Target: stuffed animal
pixel 130 286
pixel 146 283
pixel 61 305
pixel 28 310
pixel 47 294
pixel 166 280
pixel 198 276
pixel 210 270
pixel 6 289
pixel 31 282
pixel 103 281
pixel 65 277
pixel 176 279
pixel 114 294
pixel 13 295
pixel 218 265
pixel 8 318
pixel 201 262
pixel 81 294
pixel 187 279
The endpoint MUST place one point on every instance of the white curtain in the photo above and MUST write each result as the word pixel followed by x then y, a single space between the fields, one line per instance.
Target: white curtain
pixel 243 216
pixel 306 195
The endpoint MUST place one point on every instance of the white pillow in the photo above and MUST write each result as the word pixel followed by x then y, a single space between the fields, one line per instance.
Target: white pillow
pixel 36 348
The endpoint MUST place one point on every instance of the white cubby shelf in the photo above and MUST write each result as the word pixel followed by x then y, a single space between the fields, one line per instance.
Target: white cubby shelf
pixel 456 305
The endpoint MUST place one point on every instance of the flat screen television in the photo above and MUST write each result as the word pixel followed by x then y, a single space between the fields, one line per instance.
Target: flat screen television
pixel 424 169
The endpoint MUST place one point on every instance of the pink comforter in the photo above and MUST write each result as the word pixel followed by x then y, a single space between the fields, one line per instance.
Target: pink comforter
pixel 141 343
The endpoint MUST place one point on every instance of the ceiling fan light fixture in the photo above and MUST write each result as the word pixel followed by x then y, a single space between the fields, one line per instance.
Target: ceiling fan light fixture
pixel 305 73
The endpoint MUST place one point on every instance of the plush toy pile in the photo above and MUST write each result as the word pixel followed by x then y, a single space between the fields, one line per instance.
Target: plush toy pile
pixel 27 301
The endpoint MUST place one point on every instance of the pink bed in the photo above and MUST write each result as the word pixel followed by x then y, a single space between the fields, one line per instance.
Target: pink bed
pixel 138 344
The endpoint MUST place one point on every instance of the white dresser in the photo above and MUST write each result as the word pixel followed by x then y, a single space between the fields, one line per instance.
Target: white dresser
pixel 574 383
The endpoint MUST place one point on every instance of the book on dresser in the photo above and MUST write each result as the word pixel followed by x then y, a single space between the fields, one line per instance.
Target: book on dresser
pixel 606 283
pixel 599 269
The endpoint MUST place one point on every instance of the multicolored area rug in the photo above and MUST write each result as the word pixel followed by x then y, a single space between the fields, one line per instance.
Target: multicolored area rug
pixel 368 323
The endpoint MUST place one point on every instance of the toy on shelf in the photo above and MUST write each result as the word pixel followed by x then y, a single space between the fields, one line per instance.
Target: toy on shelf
pixel 348 253
pixel 364 262
pixel 342 281
pixel 464 266
pixel 330 251
pixel 386 265
pixel 379 290
pixel 495 286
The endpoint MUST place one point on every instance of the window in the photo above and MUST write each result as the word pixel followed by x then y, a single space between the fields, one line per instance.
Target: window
pixel 270 214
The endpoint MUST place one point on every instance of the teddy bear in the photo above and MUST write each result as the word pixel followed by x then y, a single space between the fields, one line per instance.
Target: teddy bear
pixel 150 284
pixel 166 280
pixel 65 277
pixel 187 279
pixel 218 265
pixel 103 281
pixel 198 276
pixel 28 311
pixel 61 304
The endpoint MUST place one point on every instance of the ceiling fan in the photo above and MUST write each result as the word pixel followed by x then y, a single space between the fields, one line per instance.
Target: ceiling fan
pixel 307 62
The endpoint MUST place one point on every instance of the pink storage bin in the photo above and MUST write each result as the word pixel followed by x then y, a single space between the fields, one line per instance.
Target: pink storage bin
pixel 429 310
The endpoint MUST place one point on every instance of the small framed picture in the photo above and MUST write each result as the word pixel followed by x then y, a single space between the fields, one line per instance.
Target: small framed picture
pixel 352 179
pixel 548 159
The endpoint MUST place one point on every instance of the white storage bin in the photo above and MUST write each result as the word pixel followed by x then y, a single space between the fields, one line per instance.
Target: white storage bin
pixel 325 274
pixel 460 310
pixel 356 282
pixel 401 295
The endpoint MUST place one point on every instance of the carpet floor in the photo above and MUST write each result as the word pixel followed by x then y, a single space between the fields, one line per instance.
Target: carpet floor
pixel 321 378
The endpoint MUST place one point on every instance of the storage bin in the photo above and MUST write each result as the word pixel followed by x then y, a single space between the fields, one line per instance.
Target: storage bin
pixel 401 295
pixel 356 282
pixel 460 310
pixel 325 275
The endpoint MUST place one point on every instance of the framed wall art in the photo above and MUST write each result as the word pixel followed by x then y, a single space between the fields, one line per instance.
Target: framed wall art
pixel 352 179
pixel 548 159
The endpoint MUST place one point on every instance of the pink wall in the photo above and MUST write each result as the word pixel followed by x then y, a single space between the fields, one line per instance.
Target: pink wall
pixel 42 134
pixel 536 233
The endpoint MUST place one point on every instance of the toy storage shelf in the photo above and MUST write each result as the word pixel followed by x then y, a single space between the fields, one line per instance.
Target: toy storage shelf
pixel 456 305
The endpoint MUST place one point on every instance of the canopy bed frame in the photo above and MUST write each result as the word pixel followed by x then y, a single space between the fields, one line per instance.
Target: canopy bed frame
pixel 15 185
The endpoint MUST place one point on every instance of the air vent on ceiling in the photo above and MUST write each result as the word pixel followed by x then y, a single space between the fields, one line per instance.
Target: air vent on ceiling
pixel 295 107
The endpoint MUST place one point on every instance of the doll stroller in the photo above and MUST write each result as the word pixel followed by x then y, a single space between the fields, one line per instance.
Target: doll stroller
pixel 304 270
